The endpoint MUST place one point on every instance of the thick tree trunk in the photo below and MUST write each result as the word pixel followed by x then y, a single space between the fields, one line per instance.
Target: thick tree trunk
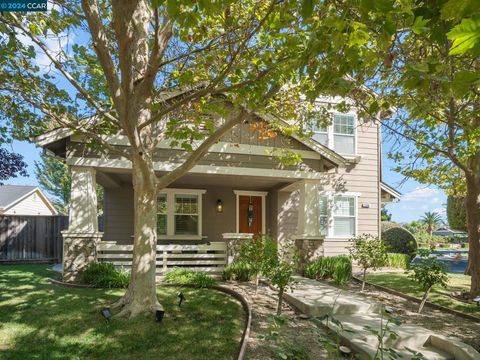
pixel 424 299
pixel 141 293
pixel 472 207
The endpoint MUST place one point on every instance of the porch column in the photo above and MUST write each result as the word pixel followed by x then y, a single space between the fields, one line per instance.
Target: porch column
pixel 309 241
pixel 82 236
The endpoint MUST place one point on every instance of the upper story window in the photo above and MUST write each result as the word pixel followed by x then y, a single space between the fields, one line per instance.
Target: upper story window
pixel 179 213
pixel 340 136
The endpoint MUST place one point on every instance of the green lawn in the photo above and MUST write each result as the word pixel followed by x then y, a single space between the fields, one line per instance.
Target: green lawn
pixel 39 320
pixel 400 282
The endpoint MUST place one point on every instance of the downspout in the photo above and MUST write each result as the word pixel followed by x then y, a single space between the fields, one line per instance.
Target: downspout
pixel 379 165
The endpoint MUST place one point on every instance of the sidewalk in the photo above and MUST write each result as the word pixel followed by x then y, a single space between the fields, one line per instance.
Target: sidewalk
pixel 355 312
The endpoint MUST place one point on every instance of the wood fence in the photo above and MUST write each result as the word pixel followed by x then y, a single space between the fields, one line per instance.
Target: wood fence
pixel 31 238
pixel 210 257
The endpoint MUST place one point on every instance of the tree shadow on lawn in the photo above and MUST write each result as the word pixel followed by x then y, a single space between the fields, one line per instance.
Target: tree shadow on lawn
pixel 42 320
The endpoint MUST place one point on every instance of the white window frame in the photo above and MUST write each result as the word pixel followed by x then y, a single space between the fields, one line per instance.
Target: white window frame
pixel 263 194
pixel 331 134
pixel 331 218
pixel 170 192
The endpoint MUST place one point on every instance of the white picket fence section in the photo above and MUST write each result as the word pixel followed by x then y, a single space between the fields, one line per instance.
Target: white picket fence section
pixel 208 257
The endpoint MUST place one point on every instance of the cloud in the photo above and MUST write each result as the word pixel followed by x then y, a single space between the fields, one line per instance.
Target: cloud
pixel 421 198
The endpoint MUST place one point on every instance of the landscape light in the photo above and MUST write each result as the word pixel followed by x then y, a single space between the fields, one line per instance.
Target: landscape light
pixel 106 313
pixel 181 297
pixel 159 314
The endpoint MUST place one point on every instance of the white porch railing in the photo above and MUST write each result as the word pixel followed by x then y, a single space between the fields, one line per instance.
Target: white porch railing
pixel 208 257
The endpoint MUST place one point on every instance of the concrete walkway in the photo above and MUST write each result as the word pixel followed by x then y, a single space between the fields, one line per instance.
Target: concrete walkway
pixel 356 313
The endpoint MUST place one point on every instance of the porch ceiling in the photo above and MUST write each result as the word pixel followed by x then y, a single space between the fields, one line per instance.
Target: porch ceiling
pixel 240 182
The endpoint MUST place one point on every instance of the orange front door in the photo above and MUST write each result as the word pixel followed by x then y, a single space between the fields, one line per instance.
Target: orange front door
pixel 250 214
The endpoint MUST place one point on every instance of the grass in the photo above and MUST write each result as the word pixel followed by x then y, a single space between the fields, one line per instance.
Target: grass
pixel 40 320
pixel 438 295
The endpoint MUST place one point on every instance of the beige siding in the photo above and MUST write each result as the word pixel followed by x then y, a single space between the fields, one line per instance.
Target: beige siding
pixel 175 156
pixel 118 214
pixel 31 205
pixel 247 134
pixel 364 178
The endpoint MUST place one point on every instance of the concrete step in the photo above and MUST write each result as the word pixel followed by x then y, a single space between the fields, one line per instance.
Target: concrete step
pixel 357 336
pixel 316 299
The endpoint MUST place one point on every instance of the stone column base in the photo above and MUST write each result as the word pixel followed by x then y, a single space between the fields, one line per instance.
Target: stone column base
pixel 309 248
pixel 234 243
pixel 79 249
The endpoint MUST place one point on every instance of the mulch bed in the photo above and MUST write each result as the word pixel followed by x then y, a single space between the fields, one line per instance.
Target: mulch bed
pixel 269 336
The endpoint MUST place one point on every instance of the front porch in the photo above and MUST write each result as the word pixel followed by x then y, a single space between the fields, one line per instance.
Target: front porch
pixel 201 218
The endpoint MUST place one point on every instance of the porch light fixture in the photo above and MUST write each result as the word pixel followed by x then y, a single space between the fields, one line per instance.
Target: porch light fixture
pixel 219 206
pixel 106 313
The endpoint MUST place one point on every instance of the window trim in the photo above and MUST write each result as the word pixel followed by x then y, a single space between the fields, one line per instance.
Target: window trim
pixel 330 195
pixel 330 131
pixel 171 192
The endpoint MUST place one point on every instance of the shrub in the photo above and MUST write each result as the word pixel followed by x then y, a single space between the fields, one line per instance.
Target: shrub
pixel 337 268
pixel 428 272
pixel 369 252
pixel 104 274
pixel 259 253
pixel 399 261
pixel 181 276
pixel 386 225
pixel 238 270
pixel 400 240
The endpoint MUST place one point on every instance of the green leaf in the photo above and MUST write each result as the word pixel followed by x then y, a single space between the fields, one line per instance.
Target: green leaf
pixel 420 25
pixel 307 8
pixel 465 36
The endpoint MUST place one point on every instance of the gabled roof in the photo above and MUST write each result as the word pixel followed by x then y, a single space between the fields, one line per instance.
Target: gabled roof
pixel 390 190
pixel 13 194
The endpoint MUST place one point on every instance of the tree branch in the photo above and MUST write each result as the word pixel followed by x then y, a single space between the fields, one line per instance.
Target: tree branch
pixel 160 44
pixel 58 65
pixel 199 152
pixel 90 7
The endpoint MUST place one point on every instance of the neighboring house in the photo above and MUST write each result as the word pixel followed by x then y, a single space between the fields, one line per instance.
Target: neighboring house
pixel 24 200
pixel 240 188
pixel 444 231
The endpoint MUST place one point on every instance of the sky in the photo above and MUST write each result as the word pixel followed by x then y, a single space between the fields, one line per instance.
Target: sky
pixel 416 198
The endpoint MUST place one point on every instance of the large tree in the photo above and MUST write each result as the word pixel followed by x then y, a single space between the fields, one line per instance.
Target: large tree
pixel 188 71
pixel 430 77
pixel 54 177
pixel 11 165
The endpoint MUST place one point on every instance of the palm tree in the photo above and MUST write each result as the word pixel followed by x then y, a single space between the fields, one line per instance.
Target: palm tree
pixel 431 219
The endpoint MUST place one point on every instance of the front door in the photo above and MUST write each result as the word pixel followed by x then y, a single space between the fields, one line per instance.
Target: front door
pixel 250 214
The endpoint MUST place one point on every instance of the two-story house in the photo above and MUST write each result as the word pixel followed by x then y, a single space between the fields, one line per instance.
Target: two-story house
pixel 239 188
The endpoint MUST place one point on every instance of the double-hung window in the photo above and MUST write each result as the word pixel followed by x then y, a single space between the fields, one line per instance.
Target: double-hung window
pixel 344 134
pixel 162 214
pixel 179 213
pixel 339 136
pixel 338 215
pixel 186 214
pixel 344 216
